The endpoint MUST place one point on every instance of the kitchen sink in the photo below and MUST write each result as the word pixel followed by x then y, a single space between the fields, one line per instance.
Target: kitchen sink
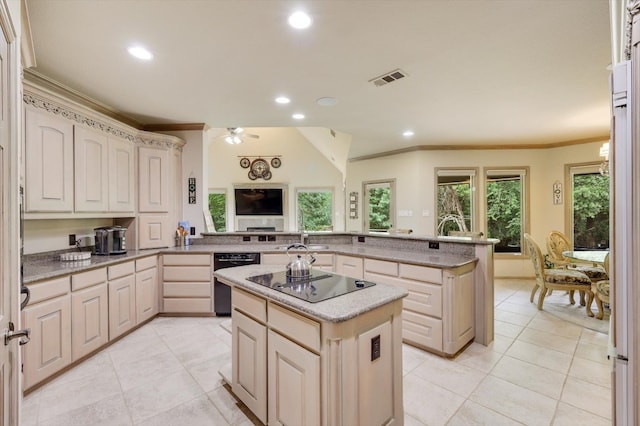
pixel 310 247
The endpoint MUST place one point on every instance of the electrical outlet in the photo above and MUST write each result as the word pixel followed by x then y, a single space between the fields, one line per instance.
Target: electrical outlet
pixel 271 237
pixel 375 347
pixel 434 245
pixel 262 238
pixel 360 239
pixel 192 230
pixel 72 239
pixel 246 238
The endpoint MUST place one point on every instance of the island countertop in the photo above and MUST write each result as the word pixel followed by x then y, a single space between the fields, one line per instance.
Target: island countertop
pixel 337 309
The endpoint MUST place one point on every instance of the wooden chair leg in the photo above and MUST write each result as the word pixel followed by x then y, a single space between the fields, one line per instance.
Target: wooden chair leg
pixel 582 301
pixel 543 293
pixel 589 301
pixel 600 308
pixel 533 292
pixel 571 299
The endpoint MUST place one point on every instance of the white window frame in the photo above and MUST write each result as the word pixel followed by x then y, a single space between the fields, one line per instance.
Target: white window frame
pixel 299 220
pixel 382 183
pixel 472 173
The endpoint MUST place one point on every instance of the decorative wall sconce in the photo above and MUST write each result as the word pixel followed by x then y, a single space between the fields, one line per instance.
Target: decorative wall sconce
pixel 604 153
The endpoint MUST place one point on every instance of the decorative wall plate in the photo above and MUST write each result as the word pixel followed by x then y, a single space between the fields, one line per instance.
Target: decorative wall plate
pixel 252 175
pixel 275 162
pixel 259 167
pixel 245 162
pixel 267 175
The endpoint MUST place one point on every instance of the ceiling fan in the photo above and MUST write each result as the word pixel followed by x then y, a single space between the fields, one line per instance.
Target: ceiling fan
pixel 235 135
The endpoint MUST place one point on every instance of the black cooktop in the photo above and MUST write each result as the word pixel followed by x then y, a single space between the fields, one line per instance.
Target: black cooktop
pixel 320 285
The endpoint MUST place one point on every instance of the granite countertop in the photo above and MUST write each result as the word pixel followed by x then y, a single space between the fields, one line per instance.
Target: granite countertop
pixel 337 309
pixel 49 267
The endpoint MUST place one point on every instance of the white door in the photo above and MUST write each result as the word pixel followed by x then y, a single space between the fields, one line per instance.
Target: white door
pixel 9 223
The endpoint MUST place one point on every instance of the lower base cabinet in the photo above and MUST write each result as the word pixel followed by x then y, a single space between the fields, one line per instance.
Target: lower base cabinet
pixel 291 369
pixel 146 289
pixel 89 310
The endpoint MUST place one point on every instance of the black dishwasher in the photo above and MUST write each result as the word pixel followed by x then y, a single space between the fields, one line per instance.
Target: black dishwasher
pixel 221 291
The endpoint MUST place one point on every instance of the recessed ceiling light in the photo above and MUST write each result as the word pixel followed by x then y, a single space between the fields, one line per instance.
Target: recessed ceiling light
pixel 298 116
pixel 299 20
pixel 282 100
pixel 327 101
pixel 407 133
pixel 140 53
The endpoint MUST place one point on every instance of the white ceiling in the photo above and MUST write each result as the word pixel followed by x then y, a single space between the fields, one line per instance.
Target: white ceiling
pixel 480 72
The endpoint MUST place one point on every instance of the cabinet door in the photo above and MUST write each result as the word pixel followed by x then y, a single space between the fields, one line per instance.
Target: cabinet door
pixel 349 266
pixel 146 294
pixel 49 163
pixel 50 347
pixel 154 175
pixel 121 175
pixel 122 305
pixel 91 159
pixel 459 314
pixel 89 316
pixel 155 231
pixel 294 383
pixel 249 364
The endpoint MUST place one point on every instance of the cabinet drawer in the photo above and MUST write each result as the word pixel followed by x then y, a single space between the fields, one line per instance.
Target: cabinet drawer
pixel 294 326
pixel 89 278
pixel 49 289
pixel 186 273
pixel 421 273
pixel 381 267
pixel 322 259
pixel 146 263
pixel 187 289
pixel 424 298
pixel 422 330
pixel 249 304
pixel 121 270
pixel 187 305
pixel 186 259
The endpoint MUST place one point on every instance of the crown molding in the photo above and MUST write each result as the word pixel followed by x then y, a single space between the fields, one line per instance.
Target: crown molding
pixel 468 147
pixel 52 86
pixel 174 127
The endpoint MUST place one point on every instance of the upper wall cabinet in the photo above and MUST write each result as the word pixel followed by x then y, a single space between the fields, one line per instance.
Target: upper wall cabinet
pixel 154 174
pixel 121 175
pixel 48 163
pixel 91 160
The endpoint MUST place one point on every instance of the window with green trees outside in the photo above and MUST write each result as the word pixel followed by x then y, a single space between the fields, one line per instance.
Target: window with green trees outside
pixel 218 209
pixel 315 209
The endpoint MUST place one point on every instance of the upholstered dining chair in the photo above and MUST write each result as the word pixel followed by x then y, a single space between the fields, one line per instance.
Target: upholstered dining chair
pixel 601 290
pixel 557 242
pixel 555 279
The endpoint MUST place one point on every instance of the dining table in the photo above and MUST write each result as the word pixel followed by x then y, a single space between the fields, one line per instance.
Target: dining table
pixel 595 257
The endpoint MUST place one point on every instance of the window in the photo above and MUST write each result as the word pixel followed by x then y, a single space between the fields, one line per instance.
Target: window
pixel 315 209
pixel 506 194
pixel 218 208
pixel 379 205
pixel 589 205
pixel 456 200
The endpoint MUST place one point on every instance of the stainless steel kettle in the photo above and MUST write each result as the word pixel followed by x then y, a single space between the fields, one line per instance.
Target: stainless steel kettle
pixel 298 266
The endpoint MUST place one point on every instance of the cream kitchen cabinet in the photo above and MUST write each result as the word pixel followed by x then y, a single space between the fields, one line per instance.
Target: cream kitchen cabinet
pixel 121 175
pixel 89 312
pixel 48 163
pixel 91 166
pixel 146 288
pixel 324 261
pixel 48 315
pixel 350 266
pixel 122 298
pixel 154 177
pixel 187 283
pixel 438 313
pixel 293 374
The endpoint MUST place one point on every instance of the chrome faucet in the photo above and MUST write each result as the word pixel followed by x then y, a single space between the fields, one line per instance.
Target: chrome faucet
pixel 303 235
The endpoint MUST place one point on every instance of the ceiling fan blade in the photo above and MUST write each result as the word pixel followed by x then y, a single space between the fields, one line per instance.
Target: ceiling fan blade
pixel 251 136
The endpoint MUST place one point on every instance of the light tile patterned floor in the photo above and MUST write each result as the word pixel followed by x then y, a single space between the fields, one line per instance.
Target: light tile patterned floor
pixel 542 369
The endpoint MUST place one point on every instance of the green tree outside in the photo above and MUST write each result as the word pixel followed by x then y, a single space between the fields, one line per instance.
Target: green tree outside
pixel 316 211
pixel 504 213
pixel 218 209
pixel 454 207
pixel 379 209
pixel 590 211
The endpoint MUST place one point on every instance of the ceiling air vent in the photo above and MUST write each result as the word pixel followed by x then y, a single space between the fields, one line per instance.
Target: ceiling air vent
pixel 389 77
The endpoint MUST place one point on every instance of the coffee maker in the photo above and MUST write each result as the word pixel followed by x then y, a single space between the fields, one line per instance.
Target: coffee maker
pixel 111 240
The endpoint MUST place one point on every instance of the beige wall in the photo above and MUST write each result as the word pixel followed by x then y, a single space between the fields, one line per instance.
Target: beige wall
pixel 303 166
pixel 415 183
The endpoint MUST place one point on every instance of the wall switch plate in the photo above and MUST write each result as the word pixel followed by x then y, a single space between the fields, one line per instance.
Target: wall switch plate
pixel 246 238
pixel 192 230
pixel 434 245
pixel 72 239
pixel 271 237
pixel 375 347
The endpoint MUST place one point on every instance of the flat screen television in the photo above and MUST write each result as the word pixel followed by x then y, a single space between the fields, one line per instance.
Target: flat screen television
pixel 259 202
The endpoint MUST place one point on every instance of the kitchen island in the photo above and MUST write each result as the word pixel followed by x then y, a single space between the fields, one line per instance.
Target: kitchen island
pixel 337 361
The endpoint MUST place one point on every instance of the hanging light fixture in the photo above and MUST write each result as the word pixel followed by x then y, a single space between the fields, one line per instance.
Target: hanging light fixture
pixel 604 153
